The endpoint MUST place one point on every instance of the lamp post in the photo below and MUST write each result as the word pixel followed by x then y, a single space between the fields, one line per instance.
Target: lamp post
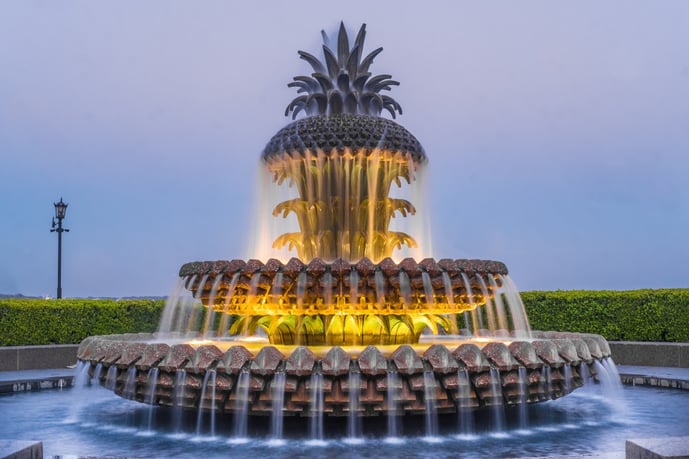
pixel 60 211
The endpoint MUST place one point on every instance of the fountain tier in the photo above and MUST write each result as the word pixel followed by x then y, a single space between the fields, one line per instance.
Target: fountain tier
pixel 448 374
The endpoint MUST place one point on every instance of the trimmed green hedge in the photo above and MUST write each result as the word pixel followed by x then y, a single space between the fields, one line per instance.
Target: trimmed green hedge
pixel 68 321
pixel 633 315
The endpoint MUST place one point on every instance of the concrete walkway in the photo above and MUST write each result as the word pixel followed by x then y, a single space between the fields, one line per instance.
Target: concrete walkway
pixel 674 378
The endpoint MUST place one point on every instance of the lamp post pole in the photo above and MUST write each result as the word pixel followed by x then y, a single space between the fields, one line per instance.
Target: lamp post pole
pixel 60 211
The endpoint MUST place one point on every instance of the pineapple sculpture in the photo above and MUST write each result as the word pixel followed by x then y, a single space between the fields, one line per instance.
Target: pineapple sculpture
pixel 343 158
pixel 343 288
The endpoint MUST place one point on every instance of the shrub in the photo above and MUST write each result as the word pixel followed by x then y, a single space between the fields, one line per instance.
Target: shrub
pixel 633 315
pixel 67 321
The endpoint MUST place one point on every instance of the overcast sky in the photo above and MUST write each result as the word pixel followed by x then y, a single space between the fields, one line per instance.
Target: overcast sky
pixel 557 133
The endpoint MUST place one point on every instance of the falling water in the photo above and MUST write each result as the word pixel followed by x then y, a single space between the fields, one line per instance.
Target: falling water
pixel 199 415
pixel 213 404
pixel 353 428
pixel 327 282
pixel 210 312
pixel 611 386
pixel 241 409
pixel 466 418
pixel 427 287
pixel 276 424
pixel 151 383
pixel 568 378
pixel 111 378
pixel 523 398
pixel 194 313
pixel 354 286
pixel 180 379
pixel 405 288
pixel 316 419
pixel 520 323
pixel 97 373
pixel 167 319
pixel 429 393
pixel 499 305
pixel 547 381
pixel 226 318
pixel 488 307
pixel 585 374
pixel 498 407
pixel 81 379
pixel 475 325
pixel 393 429
pixel 130 384
pixel 380 286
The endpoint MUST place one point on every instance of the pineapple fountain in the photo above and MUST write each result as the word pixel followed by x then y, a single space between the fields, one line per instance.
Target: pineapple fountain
pixel 341 329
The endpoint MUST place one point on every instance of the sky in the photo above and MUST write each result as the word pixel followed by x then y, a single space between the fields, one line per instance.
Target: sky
pixel 557 133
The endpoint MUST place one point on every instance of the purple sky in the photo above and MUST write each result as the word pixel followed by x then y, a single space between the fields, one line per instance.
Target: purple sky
pixel 558 135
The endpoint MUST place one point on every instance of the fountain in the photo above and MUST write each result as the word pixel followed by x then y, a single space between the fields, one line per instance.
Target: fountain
pixel 344 329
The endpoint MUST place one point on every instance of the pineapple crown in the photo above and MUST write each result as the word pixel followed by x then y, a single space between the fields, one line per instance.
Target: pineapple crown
pixel 342 83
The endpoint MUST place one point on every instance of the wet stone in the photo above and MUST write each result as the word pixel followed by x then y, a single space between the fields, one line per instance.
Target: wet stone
pixel 470 355
pixel 594 349
pixel 234 360
pixel 336 362
pixel 547 351
pixel 293 267
pixel 440 359
pixel 365 267
pixel 407 360
pixel 430 266
pixel 567 350
pixel 316 267
pixel 372 362
pixel 177 357
pixel 300 362
pixel 410 266
pixel 389 267
pixel 500 355
pixel 266 361
pixel 252 266
pixel 525 354
pixel 152 355
pixel 204 358
pixel 272 266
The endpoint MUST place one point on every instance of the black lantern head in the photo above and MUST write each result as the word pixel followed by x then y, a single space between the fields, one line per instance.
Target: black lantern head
pixel 60 209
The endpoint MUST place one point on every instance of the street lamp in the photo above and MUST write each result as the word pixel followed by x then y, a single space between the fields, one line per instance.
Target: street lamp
pixel 60 211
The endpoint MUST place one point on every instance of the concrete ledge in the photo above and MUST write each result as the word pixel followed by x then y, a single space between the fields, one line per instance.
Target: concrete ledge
pixel 675 355
pixel 18 358
pixel 658 448
pixel 21 449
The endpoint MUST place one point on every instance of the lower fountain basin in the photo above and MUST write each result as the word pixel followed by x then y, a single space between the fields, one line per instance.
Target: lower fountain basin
pixel 445 374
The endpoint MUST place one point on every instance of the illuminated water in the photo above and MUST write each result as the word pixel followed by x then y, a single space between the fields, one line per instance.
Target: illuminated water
pixel 582 423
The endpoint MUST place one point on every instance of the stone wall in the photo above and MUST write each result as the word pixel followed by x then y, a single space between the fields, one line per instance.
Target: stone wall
pixel 17 358
pixel 674 355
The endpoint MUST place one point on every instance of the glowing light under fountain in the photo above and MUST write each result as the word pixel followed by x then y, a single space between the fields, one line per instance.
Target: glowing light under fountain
pixel 342 329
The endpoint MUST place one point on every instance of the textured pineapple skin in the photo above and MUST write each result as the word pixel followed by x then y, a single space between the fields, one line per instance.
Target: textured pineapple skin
pixel 342 132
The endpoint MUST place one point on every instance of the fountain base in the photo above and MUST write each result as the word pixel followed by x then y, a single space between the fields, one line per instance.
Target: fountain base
pixel 447 374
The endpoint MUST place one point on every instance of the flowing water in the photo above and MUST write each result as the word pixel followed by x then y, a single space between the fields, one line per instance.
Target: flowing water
pixel 278 392
pixel 580 424
pixel 316 419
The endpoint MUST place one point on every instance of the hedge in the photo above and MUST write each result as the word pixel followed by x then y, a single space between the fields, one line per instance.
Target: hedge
pixel 633 315
pixel 68 321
